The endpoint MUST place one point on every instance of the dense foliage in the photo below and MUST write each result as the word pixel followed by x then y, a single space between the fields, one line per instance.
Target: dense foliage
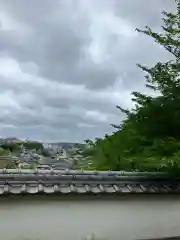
pixel 16 146
pixel 149 137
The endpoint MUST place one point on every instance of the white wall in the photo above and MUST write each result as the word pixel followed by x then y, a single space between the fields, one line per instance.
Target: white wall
pixel 70 219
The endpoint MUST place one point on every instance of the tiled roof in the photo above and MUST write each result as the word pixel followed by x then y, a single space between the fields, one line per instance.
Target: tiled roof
pixel 67 182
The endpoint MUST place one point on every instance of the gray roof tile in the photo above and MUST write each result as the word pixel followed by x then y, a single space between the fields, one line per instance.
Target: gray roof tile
pixel 81 188
pixel 135 188
pixel 95 189
pixel 123 188
pixel 65 182
pixel 73 188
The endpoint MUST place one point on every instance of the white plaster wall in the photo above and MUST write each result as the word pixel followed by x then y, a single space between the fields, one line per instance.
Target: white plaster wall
pixel 72 219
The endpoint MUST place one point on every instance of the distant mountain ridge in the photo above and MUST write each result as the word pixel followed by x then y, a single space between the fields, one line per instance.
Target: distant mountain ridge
pixel 65 145
pixel 68 144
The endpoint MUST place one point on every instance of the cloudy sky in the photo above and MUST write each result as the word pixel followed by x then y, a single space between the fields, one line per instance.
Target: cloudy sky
pixel 66 64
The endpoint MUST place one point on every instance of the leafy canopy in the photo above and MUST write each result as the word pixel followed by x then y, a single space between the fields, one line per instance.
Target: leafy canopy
pixel 149 137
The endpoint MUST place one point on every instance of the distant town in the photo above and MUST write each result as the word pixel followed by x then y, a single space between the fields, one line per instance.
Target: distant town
pixel 15 153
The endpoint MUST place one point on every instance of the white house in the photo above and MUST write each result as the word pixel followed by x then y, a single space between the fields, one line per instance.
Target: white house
pixel 61 153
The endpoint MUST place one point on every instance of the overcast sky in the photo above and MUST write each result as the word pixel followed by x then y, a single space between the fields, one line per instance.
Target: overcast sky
pixel 66 64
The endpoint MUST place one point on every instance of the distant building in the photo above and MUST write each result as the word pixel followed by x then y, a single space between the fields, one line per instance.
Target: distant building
pixel 47 145
pixel 61 153
pixel 28 156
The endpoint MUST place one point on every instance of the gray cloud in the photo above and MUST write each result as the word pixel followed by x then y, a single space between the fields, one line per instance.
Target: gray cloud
pixel 64 65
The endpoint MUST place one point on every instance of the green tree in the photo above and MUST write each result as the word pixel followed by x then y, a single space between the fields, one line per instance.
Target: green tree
pixel 3 152
pixel 11 146
pixel 149 138
pixel 33 145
